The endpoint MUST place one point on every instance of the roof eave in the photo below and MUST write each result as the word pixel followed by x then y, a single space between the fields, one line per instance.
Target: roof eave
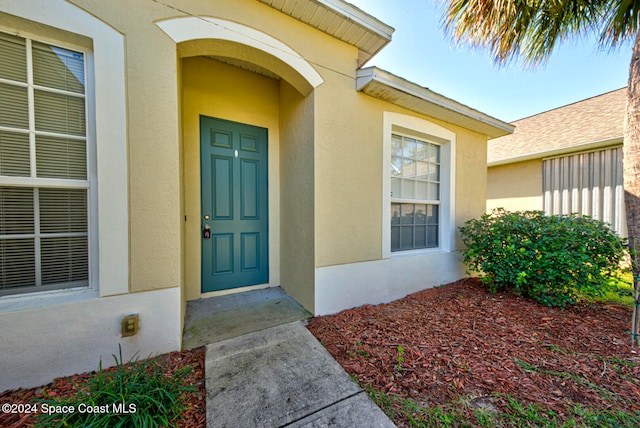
pixel 341 20
pixel 396 90
pixel 583 147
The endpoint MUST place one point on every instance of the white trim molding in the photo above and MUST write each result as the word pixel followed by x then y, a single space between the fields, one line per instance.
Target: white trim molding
pixel 202 27
pixel 388 87
pixel 412 125
pixel 106 78
pixel 41 350
pixel 346 286
pixel 561 151
pixel 348 23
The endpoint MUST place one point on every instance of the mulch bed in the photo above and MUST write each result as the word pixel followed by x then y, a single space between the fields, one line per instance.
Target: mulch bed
pixel 63 387
pixel 459 341
pixel 447 343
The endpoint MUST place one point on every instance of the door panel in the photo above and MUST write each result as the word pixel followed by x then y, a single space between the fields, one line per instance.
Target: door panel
pixel 222 253
pixel 222 187
pixel 250 252
pixel 249 190
pixel 235 197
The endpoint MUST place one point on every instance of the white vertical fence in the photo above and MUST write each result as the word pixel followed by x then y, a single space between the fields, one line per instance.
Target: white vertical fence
pixel 588 183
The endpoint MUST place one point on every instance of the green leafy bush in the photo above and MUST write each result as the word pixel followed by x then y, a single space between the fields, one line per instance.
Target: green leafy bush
pixel 136 394
pixel 552 259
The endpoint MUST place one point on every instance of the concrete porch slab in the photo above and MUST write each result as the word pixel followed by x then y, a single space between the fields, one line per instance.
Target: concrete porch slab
pixel 282 376
pixel 218 318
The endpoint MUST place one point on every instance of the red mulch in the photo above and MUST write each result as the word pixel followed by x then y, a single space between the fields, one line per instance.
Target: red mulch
pixel 62 387
pixel 458 341
pixel 461 341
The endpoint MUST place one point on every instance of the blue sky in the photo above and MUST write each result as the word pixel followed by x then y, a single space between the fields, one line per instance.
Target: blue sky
pixel 422 53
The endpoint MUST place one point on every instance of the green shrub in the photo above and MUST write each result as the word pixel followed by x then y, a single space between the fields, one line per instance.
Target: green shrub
pixel 552 259
pixel 136 394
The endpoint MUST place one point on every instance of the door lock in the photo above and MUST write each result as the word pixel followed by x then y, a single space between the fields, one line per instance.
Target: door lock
pixel 207 217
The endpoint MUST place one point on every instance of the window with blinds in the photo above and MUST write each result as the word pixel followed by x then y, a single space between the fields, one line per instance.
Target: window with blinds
pixel 415 193
pixel 43 167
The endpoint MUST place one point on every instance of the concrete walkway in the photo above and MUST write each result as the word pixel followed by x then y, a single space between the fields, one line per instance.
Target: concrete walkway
pixel 282 377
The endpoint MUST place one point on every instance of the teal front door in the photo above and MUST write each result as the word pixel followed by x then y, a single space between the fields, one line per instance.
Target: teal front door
pixel 234 229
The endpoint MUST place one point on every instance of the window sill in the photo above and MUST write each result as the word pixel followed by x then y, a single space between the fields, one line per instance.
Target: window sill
pixel 19 302
pixel 415 253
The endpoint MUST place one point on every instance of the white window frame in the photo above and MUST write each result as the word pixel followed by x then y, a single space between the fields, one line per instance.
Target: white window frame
pixel 418 201
pixel 415 127
pixel 35 182
pixel 106 131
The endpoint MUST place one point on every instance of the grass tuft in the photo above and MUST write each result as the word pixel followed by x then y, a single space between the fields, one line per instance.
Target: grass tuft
pixel 620 289
pixel 137 393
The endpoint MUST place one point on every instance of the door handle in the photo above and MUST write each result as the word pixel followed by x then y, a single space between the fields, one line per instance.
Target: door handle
pixel 206 233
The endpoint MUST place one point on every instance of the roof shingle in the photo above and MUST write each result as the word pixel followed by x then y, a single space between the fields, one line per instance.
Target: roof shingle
pixel 595 119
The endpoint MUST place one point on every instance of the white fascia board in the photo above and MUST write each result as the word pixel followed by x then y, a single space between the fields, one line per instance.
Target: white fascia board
pixel 378 33
pixel 425 101
pixel 371 24
pixel 352 13
pixel 577 148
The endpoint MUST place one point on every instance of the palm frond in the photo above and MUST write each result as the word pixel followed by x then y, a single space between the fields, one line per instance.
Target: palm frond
pixel 621 22
pixel 530 29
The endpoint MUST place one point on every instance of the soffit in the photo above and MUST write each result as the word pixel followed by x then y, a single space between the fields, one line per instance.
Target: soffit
pixel 246 65
pixel 396 90
pixel 340 20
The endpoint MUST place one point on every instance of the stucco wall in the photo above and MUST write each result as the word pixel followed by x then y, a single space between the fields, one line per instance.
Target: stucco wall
pixel 235 94
pixel 516 186
pixel 330 153
pixel 153 141
pixel 63 332
pixel 348 173
pixel 141 152
pixel 351 268
pixel 471 177
pixel 155 211
pixel 297 195
pixel 349 170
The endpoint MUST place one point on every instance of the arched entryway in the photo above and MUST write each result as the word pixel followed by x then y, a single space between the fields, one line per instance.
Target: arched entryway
pixel 239 86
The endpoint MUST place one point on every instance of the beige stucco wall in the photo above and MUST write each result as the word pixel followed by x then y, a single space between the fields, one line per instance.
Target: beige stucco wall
pixel 349 168
pixel 346 148
pixel 154 151
pixel 153 141
pixel 352 266
pixel 516 186
pixel 297 195
pixel 38 316
pixel 471 178
pixel 348 173
pixel 235 94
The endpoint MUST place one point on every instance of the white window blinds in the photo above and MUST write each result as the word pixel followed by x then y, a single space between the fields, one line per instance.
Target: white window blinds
pixel 415 193
pixel 43 222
